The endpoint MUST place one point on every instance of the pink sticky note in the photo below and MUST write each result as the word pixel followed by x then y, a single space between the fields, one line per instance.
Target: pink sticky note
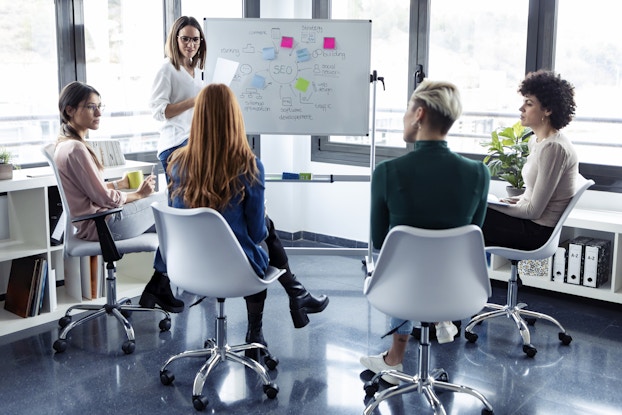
pixel 329 43
pixel 287 42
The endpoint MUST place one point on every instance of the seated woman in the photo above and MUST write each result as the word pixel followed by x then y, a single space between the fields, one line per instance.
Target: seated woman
pixel 551 171
pixel 431 188
pixel 87 193
pixel 217 169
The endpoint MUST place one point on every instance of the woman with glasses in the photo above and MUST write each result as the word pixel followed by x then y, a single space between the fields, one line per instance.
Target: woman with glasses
pixel 177 83
pixel 87 193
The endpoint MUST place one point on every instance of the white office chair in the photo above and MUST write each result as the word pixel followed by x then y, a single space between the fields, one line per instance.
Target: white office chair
pixel 204 257
pixel 428 276
pixel 111 251
pixel 515 310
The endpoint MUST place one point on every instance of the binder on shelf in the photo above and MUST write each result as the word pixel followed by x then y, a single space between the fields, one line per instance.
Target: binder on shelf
pixel 597 263
pixel 49 297
pixel 55 214
pixel 559 263
pixel 22 282
pixel 576 247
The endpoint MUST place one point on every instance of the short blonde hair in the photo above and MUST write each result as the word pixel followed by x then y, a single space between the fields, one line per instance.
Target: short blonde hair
pixel 441 99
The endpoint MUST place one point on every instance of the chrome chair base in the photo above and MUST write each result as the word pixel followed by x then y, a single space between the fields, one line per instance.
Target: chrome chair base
pixel 215 352
pixel 120 309
pixel 515 311
pixel 425 382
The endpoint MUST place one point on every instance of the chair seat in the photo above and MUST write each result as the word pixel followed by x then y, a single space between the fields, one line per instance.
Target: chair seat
pixel 147 242
pixel 517 255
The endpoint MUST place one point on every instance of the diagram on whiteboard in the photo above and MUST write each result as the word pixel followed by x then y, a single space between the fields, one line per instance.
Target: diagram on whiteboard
pixel 293 76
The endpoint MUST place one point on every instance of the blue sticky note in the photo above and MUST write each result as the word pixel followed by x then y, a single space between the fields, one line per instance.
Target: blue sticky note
pixel 268 53
pixel 302 55
pixel 258 81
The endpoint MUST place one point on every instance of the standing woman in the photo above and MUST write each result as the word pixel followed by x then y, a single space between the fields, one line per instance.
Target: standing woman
pixel 551 171
pixel 176 85
pixel 218 169
pixel 86 191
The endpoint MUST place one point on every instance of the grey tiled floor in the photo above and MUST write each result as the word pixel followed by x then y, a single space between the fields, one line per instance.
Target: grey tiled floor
pixel 319 370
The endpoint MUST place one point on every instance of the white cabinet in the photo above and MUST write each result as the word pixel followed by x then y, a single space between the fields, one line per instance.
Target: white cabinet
pixel 581 222
pixel 26 215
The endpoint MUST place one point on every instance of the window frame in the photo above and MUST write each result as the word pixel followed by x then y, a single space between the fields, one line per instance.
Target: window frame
pixel 541 28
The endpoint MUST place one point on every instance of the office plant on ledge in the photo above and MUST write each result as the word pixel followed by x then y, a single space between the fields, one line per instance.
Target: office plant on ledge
pixel 507 154
pixel 6 168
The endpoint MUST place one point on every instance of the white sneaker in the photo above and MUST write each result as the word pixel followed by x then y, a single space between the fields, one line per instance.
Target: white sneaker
pixel 377 364
pixel 445 332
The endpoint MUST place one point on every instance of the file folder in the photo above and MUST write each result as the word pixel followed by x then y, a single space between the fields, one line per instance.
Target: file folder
pixel 575 259
pixel 596 264
pixel 559 263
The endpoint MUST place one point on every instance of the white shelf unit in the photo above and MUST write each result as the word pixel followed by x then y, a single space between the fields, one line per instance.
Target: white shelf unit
pixel 29 234
pixel 581 222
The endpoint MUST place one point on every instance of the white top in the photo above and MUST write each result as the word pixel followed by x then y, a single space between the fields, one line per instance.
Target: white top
pixel 169 87
pixel 551 176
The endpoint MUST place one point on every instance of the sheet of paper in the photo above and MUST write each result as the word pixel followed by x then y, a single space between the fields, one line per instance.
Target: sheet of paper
pixel 225 71
pixel 494 200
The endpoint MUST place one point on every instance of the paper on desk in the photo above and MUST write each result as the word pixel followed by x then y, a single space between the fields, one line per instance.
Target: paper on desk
pixel 225 71
pixel 494 200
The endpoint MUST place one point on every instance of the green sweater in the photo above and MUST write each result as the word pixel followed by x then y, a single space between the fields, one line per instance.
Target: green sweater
pixel 430 187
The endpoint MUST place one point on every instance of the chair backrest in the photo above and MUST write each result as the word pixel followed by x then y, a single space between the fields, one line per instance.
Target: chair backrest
pixel 70 240
pixel 202 254
pixel 430 275
pixel 548 249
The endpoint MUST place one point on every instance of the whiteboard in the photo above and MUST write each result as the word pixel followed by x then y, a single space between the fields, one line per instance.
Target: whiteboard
pixel 294 76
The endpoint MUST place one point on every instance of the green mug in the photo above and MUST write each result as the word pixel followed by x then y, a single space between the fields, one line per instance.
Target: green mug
pixel 135 178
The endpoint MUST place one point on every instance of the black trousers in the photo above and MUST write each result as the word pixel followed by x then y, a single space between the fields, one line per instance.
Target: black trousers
pixel 277 255
pixel 503 230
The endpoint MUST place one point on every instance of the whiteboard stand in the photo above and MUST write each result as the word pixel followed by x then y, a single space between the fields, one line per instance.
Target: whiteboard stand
pixel 373 78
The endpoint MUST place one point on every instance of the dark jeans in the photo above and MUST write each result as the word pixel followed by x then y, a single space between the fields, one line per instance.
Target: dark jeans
pixel 503 230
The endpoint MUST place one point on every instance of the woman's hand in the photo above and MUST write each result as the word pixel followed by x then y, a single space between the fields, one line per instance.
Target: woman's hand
pixel 147 187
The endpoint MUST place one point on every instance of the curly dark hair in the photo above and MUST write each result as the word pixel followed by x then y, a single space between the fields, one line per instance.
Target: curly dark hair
pixel 554 93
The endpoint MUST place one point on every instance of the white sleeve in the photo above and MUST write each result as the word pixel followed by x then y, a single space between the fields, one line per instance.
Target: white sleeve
pixel 160 94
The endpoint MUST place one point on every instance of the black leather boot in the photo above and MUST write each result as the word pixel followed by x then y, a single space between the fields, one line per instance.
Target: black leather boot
pixel 301 302
pixel 254 334
pixel 158 291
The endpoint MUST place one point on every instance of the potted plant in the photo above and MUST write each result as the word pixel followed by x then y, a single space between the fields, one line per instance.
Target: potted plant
pixel 507 154
pixel 6 168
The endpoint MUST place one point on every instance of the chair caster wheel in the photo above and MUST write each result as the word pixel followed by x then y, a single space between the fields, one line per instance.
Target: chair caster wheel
pixel 126 313
pixel 529 350
pixel 271 390
pixel 531 321
pixel 271 362
pixel 128 347
pixel 565 338
pixel 60 345
pixel 64 321
pixel 199 402
pixel 443 377
pixel 166 377
pixel 487 411
pixel 370 387
pixel 470 336
pixel 165 324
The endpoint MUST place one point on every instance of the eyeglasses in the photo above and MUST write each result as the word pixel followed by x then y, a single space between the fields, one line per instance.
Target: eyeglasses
pixel 187 39
pixel 93 107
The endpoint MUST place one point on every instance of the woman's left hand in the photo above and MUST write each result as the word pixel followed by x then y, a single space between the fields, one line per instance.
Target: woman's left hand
pixel 147 187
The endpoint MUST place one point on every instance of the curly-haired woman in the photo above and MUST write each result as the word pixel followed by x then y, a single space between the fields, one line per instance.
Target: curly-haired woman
pixel 551 172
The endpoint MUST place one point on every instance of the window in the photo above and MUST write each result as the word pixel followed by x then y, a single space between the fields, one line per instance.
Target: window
pixel 29 81
pixel 200 9
pixel 124 49
pixel 389 57
pixel 591 58
pixel 480 46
